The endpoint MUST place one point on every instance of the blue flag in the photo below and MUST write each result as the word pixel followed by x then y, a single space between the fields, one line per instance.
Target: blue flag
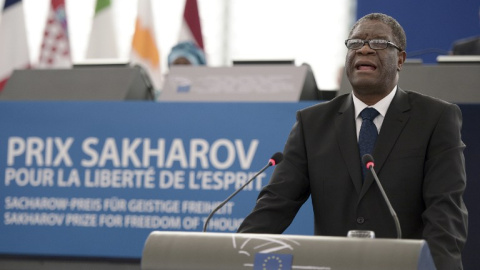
pixel 272 261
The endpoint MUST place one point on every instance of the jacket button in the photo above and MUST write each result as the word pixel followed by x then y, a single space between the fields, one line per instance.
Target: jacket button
pixel 360 220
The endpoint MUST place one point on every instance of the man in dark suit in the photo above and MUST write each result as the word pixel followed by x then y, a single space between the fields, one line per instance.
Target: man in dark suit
pixel 418 156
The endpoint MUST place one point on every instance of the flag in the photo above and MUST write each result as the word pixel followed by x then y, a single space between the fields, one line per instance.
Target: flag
pixel 103 40
pixel 145 51
pixel 13 40
pixel 55 50
pixel 191 29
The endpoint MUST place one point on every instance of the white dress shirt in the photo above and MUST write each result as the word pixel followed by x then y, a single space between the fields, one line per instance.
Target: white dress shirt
pixel 381 107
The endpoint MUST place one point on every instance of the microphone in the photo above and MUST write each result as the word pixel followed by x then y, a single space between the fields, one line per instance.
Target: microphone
pixel 274 160
pixel 367 160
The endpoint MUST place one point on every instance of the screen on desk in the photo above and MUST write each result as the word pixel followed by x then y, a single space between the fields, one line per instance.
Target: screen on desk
pixel 257 83
pixel 263 62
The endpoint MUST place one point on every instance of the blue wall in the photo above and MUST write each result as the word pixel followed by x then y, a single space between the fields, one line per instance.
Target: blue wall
pixel 432 25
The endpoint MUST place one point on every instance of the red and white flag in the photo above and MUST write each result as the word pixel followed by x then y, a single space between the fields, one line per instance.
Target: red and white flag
pixel 145 52
pixel 191 29
pixel 13 40
pixel 55 50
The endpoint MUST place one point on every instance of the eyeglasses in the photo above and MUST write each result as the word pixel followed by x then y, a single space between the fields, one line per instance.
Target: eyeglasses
pixel 375 44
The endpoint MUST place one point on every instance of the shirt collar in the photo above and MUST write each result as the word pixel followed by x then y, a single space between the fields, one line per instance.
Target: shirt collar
pixel 381 106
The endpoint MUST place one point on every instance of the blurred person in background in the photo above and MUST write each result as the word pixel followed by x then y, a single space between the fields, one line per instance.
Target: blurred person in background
pixel 186 53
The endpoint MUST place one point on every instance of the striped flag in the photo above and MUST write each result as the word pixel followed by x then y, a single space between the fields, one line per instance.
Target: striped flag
pixel 103 39
pixel 13 40
pixel 55 50
pixel 191 29
pixel 145 51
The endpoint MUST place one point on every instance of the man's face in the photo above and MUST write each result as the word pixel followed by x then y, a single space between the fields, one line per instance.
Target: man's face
pixel 373 71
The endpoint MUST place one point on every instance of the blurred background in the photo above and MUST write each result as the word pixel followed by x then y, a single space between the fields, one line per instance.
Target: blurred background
pixel 305 31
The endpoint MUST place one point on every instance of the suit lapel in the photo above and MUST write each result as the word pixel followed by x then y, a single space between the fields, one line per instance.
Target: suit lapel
pixel 347 141
pixel 395 120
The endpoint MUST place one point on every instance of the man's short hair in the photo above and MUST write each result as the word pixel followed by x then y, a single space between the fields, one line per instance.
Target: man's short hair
pixel 397 29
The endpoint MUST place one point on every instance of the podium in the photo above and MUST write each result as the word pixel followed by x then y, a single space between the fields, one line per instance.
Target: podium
pixel 78 84
pixel 194 250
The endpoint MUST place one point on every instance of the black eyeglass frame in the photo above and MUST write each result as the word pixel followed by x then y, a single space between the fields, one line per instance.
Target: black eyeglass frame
pixel 384 41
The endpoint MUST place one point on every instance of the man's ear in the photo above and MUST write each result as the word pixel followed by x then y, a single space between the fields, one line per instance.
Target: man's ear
pixel 401 59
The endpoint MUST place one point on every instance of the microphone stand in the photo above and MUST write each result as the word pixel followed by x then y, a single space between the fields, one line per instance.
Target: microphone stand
pixel 233 195
pixel 392 211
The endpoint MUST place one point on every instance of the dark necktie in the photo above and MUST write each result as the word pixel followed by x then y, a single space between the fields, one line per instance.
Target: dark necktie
pixel 368 133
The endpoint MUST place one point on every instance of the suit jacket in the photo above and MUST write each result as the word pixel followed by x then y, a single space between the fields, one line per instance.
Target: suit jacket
pixel 418 158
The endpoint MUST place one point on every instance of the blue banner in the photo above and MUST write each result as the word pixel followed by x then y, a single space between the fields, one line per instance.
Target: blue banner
pixel 94 179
